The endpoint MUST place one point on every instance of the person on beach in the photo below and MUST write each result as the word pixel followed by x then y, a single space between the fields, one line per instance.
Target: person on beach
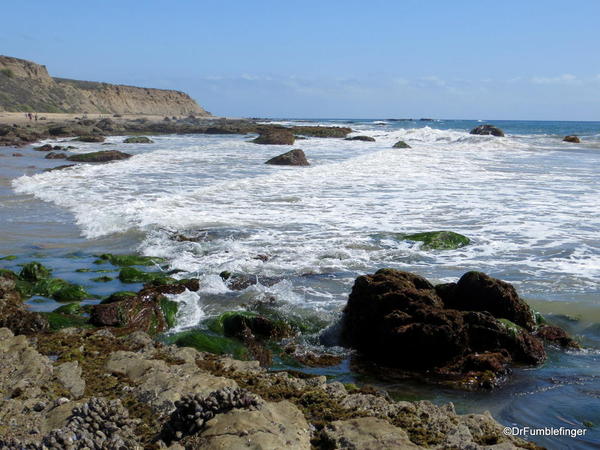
pixel 36 117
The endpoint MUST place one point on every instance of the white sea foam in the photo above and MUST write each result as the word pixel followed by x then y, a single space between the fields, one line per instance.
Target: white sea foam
pixel 518 198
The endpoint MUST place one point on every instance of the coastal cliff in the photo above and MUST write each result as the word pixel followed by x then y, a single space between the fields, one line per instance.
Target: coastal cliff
pixel 27 86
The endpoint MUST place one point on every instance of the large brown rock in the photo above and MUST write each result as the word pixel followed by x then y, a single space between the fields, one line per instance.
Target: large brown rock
pixel 281 136
pixel 468 332
pixel 294 157
pixel 476 291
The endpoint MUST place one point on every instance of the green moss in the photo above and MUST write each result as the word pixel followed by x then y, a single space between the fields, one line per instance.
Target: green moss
pixel 401 144
pixel 49 286
pixel 205 342
pixel 512 327
pixel 118 296
pixel 539 319
pixel 90 138
pixel 58 321
pixel 70 293
pixel 34 271
pixel 25 288
pixel 133 275
pixel 438 240
pixel 103 279
pixel 169 309
pixel 303 323
pixel 130 260
pixel 8 258
pixel 83 270
pixel 69 309
pixel 216 324
pixel 588 424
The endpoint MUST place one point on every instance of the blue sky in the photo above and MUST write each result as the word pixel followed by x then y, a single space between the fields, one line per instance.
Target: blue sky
pixel 461 59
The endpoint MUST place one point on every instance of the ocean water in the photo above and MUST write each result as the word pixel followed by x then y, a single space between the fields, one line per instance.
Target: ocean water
pixel 529 202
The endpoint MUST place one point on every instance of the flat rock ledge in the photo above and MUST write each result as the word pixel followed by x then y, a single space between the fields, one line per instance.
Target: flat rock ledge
pixel 84 388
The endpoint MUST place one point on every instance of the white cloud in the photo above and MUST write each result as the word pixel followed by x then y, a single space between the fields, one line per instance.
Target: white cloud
pixel 566 78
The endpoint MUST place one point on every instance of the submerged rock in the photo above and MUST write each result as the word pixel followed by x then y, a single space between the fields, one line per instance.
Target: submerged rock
pixel 573 139
pixel 487 130
pixel 13 313
pixel 361 138
pixel 294 157
pixel 467 333
pixel 101 156
pixel 138 140
pixel 281 136
pixel 43 148
pixel 401 144
pixel 129 260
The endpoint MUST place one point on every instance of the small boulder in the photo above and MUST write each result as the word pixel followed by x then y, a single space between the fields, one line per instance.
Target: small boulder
pixel 487 130
pixel 573 139
pixel 56 155
pixel 294 157
pixel 361 138
pixel 276 137
pixel 401 144
pixel 138 140
pixel 102 156
pixel 43 148
pixel 90 138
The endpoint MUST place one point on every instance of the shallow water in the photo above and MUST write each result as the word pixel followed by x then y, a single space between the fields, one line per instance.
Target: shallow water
pixel 529 202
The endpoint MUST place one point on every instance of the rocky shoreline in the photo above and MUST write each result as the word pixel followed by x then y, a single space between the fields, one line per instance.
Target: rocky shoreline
pixel 93 130
pixel 103 376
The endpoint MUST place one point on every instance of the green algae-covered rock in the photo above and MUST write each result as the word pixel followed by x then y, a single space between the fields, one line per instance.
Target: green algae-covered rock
pixel 216 324
pixel 49 286
pixel 401 144
pixel 70 293
pixel 118 296
pixel 58 321
pixel 133 275
pixel 129 260
pixel 71 308
pixel 138 140
pixel 8 258
pixel 34 271
pixel 102 279
pixel 101 156
pixel 205 342
pixel 438 240
pixel 169 309
pixel 90 138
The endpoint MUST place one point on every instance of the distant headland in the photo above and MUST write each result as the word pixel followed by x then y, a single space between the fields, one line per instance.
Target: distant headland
pixel 27 87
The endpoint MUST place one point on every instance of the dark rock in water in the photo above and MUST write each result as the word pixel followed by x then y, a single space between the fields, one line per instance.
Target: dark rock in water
pixel 106 124
pixel 138 140
pixel 476 291
pixel 556 335
pixel 13 312
pixel 221 130
pixel 572 139
pixel 239 282
pixel 17 154
pixel 361 138
pixel 43 148
pixel 466 333
pixel 149 310
pixel 34 271
pixel 322 132
pixel 90 138
pixel 60 131
pixel 56 155
pixel 64 166
pixel 487 130
pixel 102 156
pixel 275 137
pixel 401 144
pixel 294 157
